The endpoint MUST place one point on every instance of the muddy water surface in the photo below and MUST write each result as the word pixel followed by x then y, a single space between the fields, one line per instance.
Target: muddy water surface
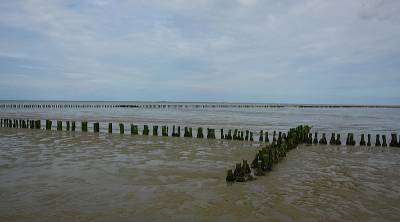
pixel 66 176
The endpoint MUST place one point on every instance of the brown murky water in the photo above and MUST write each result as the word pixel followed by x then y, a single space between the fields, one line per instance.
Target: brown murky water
pixel 75 176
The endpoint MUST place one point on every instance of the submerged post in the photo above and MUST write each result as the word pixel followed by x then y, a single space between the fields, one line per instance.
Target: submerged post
pixel 266 137
pixel 384 144
pixel 155 130
pixel 222 134
pixel 68 125
pixel 109 127
pixel 146 130
pixel 261 138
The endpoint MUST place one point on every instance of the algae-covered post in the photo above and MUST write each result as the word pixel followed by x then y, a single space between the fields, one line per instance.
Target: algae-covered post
pixel 261 138
pixel 109 127
pixel 59 125
pixel 164 130
pixel 68 125
pixel 96 127
pixel 155 130
pixel 333 140
pixel 247 135
pixel 384 144
pixel 251 136
pixel 200 133
pixel 121 128
pixel 315 141
pixel 377 142
pixel 73 126
pixel 84 126
pixel 146 130
pixel 266 137
pixel 222 134
pixel 362 141
pixel 393 141
pixel 369 140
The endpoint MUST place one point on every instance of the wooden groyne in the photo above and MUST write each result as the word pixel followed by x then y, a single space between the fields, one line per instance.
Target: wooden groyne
pixel 179 105
pixel 209 133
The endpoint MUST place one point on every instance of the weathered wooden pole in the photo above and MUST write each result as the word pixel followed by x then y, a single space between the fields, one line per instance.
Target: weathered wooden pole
pixel 38 124
pixel 173 131
pixel 266 137
pixel 274 137
pixel 155 130
pixel 164 130
pixel 222 134
pixel 200 133
pixel 96 127
pixel 251 136
pixel 315 141
pixel 241 135
pixel 179 131
pixel 333 140
pixel 229 175
pixel 384 144
pixel 59 125
pixel 377 142
pixel 84 126
pixel 1 125
pixel 109 127
pixel 261 137
pixel 369 140
pixel 146 130
pixel 247 135
pixel 190 132
pixel 393 141
pixel 121 128
pixel 68 125
pixel 73 126
pixel 338 142
pixel 362 141
pixel 48 124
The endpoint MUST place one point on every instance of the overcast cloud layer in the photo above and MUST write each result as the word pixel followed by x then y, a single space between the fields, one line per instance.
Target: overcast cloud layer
pixel 344 52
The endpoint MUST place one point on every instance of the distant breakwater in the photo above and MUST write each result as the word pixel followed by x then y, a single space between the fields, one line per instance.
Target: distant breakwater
pixel 182 105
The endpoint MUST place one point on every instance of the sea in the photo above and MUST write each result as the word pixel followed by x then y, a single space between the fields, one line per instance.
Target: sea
pixel 63 175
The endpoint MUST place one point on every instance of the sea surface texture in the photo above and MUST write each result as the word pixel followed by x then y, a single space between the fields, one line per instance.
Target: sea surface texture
pixel 50 175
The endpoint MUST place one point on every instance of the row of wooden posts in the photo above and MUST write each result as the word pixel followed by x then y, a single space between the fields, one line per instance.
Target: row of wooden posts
pixel 188 132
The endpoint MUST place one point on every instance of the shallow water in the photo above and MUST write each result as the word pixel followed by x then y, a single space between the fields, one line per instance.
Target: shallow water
pixel 54 175
pixel 85 176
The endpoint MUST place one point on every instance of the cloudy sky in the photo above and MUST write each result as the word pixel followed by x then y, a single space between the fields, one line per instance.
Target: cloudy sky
pixel 309 51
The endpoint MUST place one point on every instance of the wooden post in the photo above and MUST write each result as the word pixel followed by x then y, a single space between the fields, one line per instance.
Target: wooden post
pixel 261 138
pixel 369 140
pixel 384 144
pixel 164 130
pixel 266 137
pixel 338 142
pixel 121 128
pixel 173 131
pixel 241 135
pixel 68 125
pixel 73 126
pixel 109 127
pixel 146 130
pixel 37 124
pixel 1 125
pixel 247 135
pixel 84 126
pixel 393 142
pixel 155 130
pixel 377 142
pixel 59 125
pixel 96 127
pixel 315 141
pixel 362 141
pixel 190 132
pixel 179 131
pixel 222 134
pixel 200 133
pixel 332 141
pixel 251 136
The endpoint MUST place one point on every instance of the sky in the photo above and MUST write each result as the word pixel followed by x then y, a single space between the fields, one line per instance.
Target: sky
pixel 309 51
